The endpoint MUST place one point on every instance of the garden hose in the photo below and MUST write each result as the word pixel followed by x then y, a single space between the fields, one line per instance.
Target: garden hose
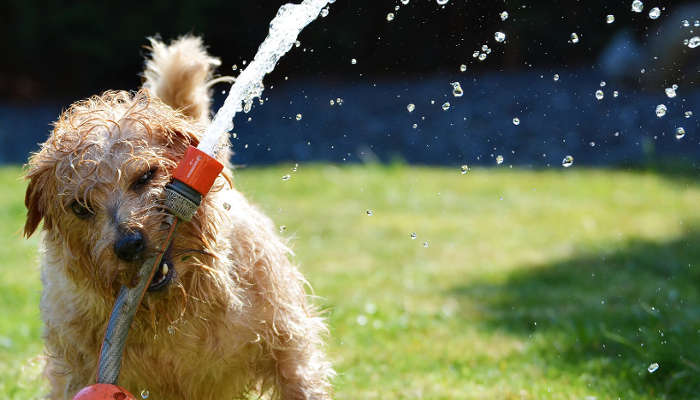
pixel 192 179
pixel 123 313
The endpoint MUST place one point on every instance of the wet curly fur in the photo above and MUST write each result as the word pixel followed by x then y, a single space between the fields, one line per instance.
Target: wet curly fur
pixel 234 321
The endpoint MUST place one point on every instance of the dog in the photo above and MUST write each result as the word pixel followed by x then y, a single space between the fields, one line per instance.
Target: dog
pixel 227 314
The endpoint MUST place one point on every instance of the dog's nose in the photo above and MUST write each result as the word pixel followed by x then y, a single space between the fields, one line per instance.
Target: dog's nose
pixel 130 245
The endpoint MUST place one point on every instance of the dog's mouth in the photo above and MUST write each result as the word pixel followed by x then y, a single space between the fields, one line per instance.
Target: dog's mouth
pixel 164 274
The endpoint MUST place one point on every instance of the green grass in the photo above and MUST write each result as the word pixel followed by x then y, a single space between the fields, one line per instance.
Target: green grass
pixel 558 284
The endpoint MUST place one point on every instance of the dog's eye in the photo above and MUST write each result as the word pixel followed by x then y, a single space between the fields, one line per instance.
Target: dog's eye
pixel 80 211
pixel 144 179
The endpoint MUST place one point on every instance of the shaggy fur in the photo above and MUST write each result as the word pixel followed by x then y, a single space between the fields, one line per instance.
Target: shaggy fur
pixel 235 319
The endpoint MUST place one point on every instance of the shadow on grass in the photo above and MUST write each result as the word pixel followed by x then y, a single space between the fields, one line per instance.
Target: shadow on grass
pixel 682 169
pixel 606 315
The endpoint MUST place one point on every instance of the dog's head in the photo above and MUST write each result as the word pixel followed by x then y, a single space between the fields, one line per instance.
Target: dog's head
pixel 98 182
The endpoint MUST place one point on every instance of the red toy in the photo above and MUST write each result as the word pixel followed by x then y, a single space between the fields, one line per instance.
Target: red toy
pixel 104 391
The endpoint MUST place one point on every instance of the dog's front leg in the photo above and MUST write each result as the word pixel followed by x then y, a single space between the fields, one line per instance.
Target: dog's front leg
pixel 63 380
pixel 303 373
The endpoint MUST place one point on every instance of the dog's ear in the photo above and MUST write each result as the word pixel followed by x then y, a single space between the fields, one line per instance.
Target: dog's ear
pixel 35 197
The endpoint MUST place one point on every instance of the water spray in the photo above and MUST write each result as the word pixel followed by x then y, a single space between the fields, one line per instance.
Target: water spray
pixel 192 179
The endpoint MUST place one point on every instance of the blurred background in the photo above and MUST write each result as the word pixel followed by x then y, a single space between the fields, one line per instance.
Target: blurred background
pixel 56 52
pixel 537 237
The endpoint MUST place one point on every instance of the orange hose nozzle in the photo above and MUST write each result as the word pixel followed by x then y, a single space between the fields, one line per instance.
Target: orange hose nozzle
pixel 198 170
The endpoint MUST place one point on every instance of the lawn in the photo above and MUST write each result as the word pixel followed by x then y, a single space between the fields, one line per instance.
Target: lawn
pixel 555 284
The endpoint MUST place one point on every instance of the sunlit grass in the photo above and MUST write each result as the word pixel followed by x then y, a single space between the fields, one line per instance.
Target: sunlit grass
pixel 556 284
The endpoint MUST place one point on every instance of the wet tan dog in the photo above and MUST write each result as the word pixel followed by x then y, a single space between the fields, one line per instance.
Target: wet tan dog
pixel 226 315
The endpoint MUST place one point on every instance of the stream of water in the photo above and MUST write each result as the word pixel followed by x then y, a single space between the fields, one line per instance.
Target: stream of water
pixel 290 20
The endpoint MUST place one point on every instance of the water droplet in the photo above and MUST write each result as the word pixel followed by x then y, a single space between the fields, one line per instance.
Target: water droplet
pixel 457 89
pixel 425 244
pixel 516 121
pixel 567 161
pixel 390 17
pixel 671 92
pixel 171 330
pixel 404 2
pixel 499 159
pixel 574 38
pixel 370 308
pixel 353 61
pixel 680 133
pixel 660 110
pixel 227 206
pixel 410 107
pixel 696 23
pixel 592 144
pixel 298 117
pixel 688 114
pixel 603 83
pixel 413 235
pixel 500 37
pixel 610 18
pixel 637 6
pixel 414 126
pixel 653 367
pixel 654 13
pixel 297 43
pixel 616 93
pixel 442 2
pixel 694 42
pixel 324 12
pixel 369 212
pixel 361 320
pixel 462 68
pixel 504 15
pixel 446 105
pixel 145 393
pixel 286 177
pixel 482 56
pixel 599 94
pixel 475 54
pixel 283 228
pixel 234 67
pixel 464 169
pixel 339 101
pixel 332 102
pixel 685 23
pixel 556 77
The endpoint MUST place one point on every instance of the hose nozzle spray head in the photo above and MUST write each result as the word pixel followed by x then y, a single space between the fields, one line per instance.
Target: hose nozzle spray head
pixel 192 179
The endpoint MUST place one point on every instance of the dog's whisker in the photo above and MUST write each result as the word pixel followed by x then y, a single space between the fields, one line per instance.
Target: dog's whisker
pixel 197 251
